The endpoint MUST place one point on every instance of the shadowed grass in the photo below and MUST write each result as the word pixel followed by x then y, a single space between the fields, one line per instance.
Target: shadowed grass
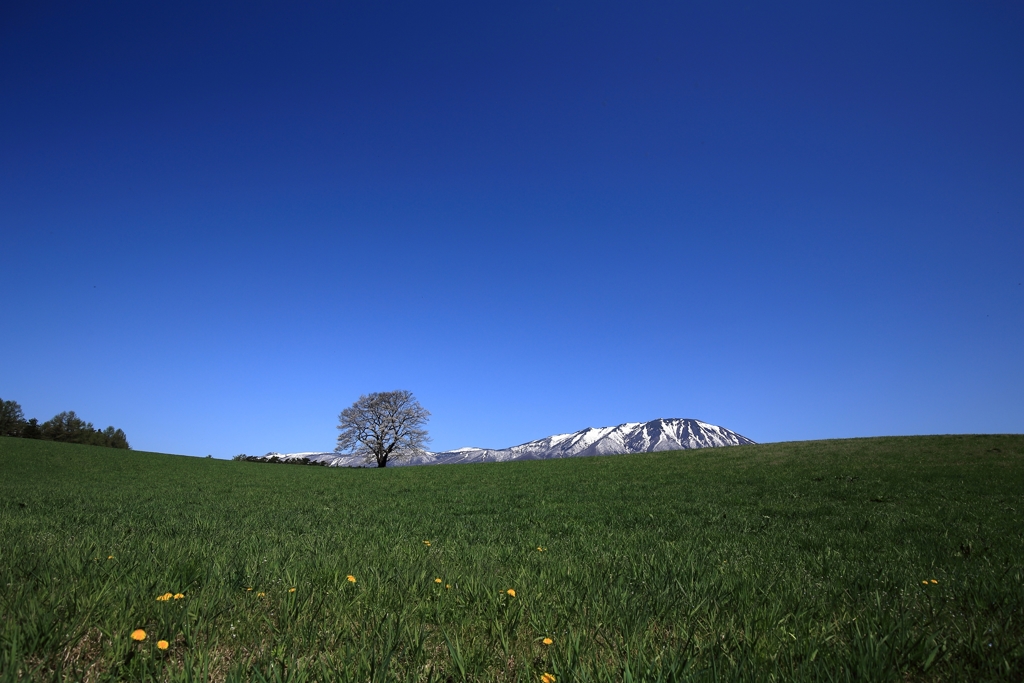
pixel 795 561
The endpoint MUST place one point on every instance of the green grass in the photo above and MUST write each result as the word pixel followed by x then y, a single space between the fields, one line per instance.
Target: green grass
pixel 794 561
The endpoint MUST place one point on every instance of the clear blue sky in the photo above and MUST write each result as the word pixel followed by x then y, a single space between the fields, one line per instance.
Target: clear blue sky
pixel 220 225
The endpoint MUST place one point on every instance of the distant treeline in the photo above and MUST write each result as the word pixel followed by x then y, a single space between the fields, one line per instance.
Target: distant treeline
pixel 65 427
pixel 274 459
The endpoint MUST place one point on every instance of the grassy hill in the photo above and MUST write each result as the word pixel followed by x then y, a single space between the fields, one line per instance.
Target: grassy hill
pixel 866 559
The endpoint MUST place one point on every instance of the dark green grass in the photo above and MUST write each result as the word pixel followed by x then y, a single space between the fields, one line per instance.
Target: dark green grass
pixel 794 561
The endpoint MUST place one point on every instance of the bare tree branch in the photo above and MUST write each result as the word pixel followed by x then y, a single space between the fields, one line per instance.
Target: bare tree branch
pixel 383 426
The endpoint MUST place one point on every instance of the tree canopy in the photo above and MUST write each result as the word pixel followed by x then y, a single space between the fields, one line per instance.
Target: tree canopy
pixel 12 420
pixel 383 426
pixel 66 427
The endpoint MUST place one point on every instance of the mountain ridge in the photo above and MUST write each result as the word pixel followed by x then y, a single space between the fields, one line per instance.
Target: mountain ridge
pixel 662 434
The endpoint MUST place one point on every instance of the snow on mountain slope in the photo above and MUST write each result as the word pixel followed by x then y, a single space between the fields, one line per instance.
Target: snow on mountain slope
pixel 631 437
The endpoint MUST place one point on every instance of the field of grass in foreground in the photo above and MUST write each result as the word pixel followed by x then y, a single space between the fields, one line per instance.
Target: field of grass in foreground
pixel 868 559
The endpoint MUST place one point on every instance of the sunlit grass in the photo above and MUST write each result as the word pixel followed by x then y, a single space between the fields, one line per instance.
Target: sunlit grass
pixel 870 559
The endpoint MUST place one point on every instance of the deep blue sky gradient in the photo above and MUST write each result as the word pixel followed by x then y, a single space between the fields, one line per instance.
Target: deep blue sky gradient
pixel 220 225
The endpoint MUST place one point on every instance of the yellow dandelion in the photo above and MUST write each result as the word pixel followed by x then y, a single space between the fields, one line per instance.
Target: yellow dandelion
pixel 547 641
pixel 350 578
pixel 261 595
pixel 162 644
pixel 447 586
pixel 925 582
pixel 511 593
pixel 179 596
pixel 547 678
pixel 291 590
pixel 934 581
pixel 437 580
pixel 249 588
pixel 110 557
pixel 426 543
pixel 138 634
pixel 540 549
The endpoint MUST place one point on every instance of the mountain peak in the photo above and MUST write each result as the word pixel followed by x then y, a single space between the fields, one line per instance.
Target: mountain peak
pixel 661 434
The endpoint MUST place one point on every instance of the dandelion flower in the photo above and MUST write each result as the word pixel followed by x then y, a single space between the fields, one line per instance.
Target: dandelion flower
pixel 437 580
pixel 511 593
pixel 261 595
pixel 249 588
pixel 925 582
pixel 447 586
pixel 291 590
pixel 426 543
pixel 540 549
pixel 547 641
pixel 179 596
pixel 162 644
pixel 138 634
pixel 547 678
pixel 934 581
pixel 350 578
pixel 110 557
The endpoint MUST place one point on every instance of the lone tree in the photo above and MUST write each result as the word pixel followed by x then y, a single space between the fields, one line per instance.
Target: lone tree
pixel 383 426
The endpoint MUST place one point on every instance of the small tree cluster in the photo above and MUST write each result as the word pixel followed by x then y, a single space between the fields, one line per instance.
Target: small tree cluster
pixel 274 458
pixel 65 427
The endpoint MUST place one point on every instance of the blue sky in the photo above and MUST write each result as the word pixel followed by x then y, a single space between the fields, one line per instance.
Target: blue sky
pixel 219 225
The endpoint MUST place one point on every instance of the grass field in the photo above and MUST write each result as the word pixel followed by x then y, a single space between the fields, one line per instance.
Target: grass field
pixel 887 559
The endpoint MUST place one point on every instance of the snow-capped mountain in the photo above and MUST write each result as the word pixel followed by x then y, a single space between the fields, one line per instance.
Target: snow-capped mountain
pixel 631 437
